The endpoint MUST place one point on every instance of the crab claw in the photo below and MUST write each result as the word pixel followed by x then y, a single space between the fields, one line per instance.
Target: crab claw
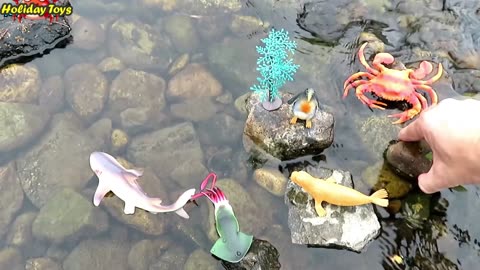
pixel 422 71
pixel 206 180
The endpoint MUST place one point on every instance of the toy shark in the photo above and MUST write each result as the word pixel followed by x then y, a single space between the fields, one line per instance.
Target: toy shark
pixel 233 244
pixel 112 176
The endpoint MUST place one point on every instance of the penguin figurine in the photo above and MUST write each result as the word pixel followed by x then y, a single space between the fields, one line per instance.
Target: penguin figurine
pixel 304 105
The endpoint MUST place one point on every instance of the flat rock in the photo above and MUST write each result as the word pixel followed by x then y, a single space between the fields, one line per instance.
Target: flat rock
pixel 31 37
pixel 272 132
pixel 350 228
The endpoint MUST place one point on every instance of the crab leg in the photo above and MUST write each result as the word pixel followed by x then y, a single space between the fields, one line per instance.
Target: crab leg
pixel 408 114
pixel 430 91
pixel 362 59
pixel 356 76
pixel 354 84
pixel 422 99
pixel 360 92
pixel 431 80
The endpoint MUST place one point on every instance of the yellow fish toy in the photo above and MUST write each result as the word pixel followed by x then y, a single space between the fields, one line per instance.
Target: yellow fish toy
pixel 329 191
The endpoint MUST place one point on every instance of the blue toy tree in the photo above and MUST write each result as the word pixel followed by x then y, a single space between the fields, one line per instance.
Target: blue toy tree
pixel 274 68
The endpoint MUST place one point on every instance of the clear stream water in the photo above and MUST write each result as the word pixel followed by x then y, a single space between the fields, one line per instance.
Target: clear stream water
pixel 327 34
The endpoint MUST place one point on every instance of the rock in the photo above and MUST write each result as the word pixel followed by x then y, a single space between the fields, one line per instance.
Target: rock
pixel 20 124
pixel 251 220
pixel 165 5
pixel 20 234
pixel 166 149
pixel 173 258
pixel 86 90
pixel 11 259
pixel 226 98
pixel 44 263
pixel 60 158
pixel 52 94
pixel 68 216
pixel 209 6
pixel 141 220
pixel 376 133
pixel 179 63
pixel 226 163
pixel 20 83
pixel 29 38
pixel 139 45
pixel 97 254
pixel 186 174
pixel 271 179
pixel 220 129
pixel 381 176
pixel 234 65
pixel 272 132
pixel 246 25
pixel 200 260
pixel 262 255
pixel 343 227
pixel 11 196
pixel 408 159
pixel 88 34
pixel 416 209
pixel 139 93
pixel 111 64
pixel 182 32
pixel 119 141
pixel 194 81
pixel 195 109
pixel 144 252
pixel 241 103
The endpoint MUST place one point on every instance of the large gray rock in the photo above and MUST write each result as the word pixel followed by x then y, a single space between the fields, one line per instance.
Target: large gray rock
pixel 271 132
pixel 351 228
pixel 262 255
pixel 60 158
pixel 19 124
pixel 166 149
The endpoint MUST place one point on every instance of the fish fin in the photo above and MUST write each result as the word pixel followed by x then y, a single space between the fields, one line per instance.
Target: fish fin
pixel 233 251
pixel 100 192
pixel 156 201
pixel 181 212
pixel 321 212
pixel 137 172
pixel 130 177
pixel 379 196
pixel 129 209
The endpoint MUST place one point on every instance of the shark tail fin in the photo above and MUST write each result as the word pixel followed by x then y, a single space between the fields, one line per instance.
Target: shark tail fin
pixel 232 252
pixel 379 196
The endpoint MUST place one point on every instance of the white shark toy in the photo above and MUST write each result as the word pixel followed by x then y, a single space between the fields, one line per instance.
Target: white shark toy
pixel 112 176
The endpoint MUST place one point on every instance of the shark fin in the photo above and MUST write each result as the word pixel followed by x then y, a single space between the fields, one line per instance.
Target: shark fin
pixel 181 212
pixel 100 192
pixel 232 252
pixel 129 209
pixel 130 177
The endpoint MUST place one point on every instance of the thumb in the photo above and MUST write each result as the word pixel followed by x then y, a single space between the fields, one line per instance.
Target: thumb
pixel 431 181
pixel 412 132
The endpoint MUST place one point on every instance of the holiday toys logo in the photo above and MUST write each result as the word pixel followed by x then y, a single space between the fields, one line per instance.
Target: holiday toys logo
pixel 35 10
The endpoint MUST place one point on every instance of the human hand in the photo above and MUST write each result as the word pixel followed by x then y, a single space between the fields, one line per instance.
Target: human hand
pixel 452 130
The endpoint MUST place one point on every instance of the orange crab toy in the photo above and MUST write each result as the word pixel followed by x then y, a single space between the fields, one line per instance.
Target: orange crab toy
pixel 392 84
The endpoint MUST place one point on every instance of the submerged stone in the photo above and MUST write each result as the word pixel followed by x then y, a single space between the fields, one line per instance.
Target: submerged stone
pixel 271 131
pixel 351 227
pixel 262 255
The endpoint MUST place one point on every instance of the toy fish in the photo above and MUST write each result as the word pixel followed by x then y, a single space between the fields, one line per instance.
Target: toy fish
pixel 329 191
pixel 233 244
pixel 304 105
pixel 112 176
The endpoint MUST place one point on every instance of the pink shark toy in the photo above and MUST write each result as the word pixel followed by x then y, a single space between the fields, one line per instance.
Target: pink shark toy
pixel 112 176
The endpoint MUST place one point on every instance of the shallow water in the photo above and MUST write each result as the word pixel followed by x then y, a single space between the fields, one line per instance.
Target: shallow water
pixel 327 35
